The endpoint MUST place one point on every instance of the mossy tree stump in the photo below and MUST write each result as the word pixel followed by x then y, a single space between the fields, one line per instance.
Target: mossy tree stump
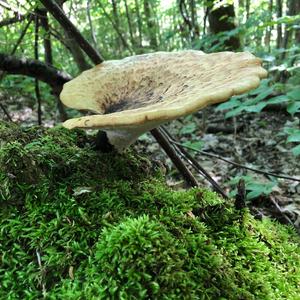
pixel 78 224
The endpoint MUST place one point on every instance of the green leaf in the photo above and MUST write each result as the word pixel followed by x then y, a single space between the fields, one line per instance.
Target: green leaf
pixel 293 107
pixel 254 194
pixel 234 112
pixel 188 129
pixel 264 94
pixel 294 94
pixel 278 99
pixel 256 108
pixel 198 145
pixel 263 87
pixel 296 150
pixel 295 137
pixel 233 102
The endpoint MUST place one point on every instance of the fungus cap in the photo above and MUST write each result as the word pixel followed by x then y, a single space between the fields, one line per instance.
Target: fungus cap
pixel 143 91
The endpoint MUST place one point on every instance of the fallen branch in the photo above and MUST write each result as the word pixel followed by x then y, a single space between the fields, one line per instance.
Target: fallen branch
pixel 13 20
pixel 36 69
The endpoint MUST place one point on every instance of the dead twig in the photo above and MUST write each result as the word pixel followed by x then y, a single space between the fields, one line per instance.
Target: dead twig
pixel 236 164
pixel 196 165
pixel 6 112
pixel 281 212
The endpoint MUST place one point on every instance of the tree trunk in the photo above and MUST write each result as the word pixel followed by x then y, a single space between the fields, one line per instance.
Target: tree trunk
pixel 293 10
pixel 221 20
pixel 140 24
pixel 279 26
pixel 195 25
pixel 150 24
pixel 247 9
pixel 269 28
pixel 48 57
pixel 132 39
pixel 297 12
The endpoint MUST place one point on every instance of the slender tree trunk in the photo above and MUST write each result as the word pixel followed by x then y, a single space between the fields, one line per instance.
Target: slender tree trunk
pixel 36 57
pixel 186 27
pixel 115 21
pixel 49 58
pixel 297 12
pixel 247 9
pixel 279 26
pixel 115 24
pixel 293 10
pixel 269 28
pixel 47 41
pixel 150 24
pixel 195 25
pixel 132 38
pixel 140 24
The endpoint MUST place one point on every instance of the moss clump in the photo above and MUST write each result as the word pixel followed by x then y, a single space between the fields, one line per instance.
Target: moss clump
pixel 76 224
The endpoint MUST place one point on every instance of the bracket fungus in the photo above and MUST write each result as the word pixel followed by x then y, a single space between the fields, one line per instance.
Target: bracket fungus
pixel 138 93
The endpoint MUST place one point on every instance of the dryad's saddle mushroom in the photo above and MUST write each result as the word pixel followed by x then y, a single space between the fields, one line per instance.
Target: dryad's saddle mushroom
pixel 138 93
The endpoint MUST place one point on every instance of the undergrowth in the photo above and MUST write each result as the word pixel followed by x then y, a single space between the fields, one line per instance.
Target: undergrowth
pixel 77 224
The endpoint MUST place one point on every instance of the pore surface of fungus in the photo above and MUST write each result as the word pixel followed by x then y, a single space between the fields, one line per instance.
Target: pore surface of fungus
pixel 138 93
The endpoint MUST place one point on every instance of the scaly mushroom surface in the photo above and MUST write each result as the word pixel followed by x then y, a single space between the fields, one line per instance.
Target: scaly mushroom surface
pixel 138 93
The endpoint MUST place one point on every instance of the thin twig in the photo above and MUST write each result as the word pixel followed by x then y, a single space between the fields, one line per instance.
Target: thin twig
pixel 36 81
pixel 164 143
pixel 197 166
pixel 6 112
pixel 236 164
pixel 21 36
pixel 278 208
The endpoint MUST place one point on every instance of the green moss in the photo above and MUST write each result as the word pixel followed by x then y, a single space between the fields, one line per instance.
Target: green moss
pixel 77 224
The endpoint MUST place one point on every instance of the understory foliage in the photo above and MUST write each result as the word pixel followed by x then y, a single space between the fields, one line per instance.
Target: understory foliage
pixel 77 224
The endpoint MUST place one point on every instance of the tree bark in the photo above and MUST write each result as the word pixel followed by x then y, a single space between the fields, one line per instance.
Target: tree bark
pixel 196 30
pixel 139 22
pixel 47 41
pixel 36 69
pixel 13 20
pixel 221 20
pixel 132 38
pixel 150 24
pixel 269 28
pixel 49 58
pixel 279 26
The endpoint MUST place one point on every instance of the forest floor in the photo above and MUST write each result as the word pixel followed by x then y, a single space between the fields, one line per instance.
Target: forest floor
pixel 254 140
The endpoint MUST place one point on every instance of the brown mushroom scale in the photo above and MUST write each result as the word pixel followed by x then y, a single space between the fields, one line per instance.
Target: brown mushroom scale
pixel 138 93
